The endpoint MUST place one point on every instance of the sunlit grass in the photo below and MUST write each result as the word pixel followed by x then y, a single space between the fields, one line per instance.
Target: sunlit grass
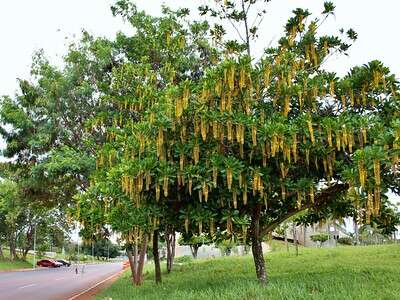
pixel 371 272
pixel 7 264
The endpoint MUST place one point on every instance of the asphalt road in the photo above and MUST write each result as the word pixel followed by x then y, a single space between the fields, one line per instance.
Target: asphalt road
pixel 53 284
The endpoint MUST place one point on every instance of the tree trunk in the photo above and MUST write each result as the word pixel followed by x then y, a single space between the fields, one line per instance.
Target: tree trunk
pixel 13 250
pixel 286 242
pixel 256 245
pixel 304 235
pixel 356 234
pixel 25 253
pixel 142 256
pixel 156 255
pixel 194 249
pixel 132 264
pixel 170 238
pixel 296 244
pixel 29 241
pixel 1 252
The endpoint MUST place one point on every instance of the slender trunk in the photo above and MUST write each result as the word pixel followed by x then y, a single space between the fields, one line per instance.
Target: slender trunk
pixel 170 238
pixel 194 249
pixel 142 256
pixel 132 264
pixel 256 245
pixel 156 255
pixel 286 242
pixel 25 253
pixel 356 234
pixel 13 251
pixel 135 261
pixel 296 244
pixel 304 235
pixel 29 242
pixel 173 244
pixel 1 252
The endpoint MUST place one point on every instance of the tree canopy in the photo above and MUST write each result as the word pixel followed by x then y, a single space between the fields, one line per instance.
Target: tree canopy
pixel 237 144
pixel 178 127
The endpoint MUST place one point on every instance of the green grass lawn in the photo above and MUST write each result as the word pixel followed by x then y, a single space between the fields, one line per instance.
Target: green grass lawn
pixel 6 265
pixel 362 272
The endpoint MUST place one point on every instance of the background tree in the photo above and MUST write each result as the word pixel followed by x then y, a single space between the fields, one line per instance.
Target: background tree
pixel 320 238
pixel 103 249
pixel 185 61
pixel 194 241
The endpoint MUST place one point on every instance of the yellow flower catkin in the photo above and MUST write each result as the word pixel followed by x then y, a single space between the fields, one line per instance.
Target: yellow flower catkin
pixel 377 172
pixel 362 173
pixel 203 126
pixel 190 185
pixel 229 178
pixel 311 130
pixel 254 135
pixel 229 129
pixel 215 176
pixel 165 186
pixel 234 199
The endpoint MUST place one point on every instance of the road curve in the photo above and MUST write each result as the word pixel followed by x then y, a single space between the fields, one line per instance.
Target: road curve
pixel 54 284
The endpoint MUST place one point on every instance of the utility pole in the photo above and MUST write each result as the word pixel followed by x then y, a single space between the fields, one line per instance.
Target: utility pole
pixel 34 247
pixel 108 251
pixel 78 250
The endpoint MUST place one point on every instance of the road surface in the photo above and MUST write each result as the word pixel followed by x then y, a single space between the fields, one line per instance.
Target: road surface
pixel 53 284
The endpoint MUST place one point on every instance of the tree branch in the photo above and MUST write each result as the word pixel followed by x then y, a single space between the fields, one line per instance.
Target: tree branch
pixel 246 27
pixel 233 25
pixel 323 198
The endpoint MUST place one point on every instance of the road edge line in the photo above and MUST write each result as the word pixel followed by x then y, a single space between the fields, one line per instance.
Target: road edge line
pixel 22 270
pixel 96 285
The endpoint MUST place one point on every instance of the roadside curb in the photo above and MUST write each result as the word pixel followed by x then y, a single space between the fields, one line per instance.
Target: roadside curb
pixel 96 288
pixel 22 270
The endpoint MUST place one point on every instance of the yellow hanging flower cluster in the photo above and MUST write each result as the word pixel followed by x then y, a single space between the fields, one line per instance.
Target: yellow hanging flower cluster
pixel 377 172
pixel 229 178
pixel 160 142
pixel 362 173
pixel 257 184
pixel 311 130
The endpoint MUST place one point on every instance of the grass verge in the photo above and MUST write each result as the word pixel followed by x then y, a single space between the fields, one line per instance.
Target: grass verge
pixel 6 265
pixel 371 272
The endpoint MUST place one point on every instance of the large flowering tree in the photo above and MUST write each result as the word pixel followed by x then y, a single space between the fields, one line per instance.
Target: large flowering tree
pixel 208 137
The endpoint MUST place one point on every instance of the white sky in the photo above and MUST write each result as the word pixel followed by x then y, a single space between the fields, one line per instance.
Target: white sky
pixel 26 26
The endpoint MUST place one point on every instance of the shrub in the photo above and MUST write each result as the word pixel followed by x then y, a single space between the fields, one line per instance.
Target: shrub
pixel 184 259
pixel 319 238
pixel 345 241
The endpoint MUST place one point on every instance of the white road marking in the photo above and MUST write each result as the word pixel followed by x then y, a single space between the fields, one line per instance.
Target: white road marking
pixel 61 278
pixel 25 286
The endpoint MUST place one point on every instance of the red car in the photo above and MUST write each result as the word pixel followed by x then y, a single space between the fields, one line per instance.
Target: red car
pixel 49 263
